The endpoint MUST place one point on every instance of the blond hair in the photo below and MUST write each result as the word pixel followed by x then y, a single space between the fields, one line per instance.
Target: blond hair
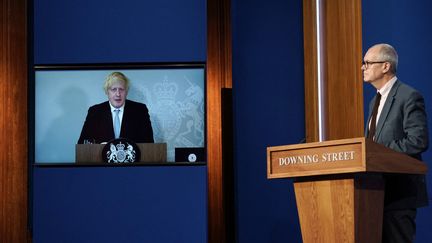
pixel 115 77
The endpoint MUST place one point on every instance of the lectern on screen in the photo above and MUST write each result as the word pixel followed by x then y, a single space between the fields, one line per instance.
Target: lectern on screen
pixel 173 93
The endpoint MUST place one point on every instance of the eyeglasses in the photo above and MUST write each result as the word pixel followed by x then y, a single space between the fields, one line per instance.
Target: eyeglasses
pixel 367 64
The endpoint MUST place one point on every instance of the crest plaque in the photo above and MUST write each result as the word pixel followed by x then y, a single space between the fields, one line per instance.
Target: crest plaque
pixel 121 150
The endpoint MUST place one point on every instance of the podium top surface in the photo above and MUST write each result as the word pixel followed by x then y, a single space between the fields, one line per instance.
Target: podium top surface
pixel 338 157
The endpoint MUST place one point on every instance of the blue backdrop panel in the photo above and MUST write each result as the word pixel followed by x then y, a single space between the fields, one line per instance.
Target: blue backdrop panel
pixel 120 204
pixel 83 31
pixel 131 204
pixel 406 26
pixel 268 96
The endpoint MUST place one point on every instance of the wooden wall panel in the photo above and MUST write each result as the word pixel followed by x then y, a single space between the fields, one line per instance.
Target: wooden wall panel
pixel 341 56
pixel 219 76
pixel 13 121
pixel 310 74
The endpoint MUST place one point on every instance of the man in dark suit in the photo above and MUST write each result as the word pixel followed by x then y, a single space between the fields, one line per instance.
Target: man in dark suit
pixel 400 124
pixel 117 117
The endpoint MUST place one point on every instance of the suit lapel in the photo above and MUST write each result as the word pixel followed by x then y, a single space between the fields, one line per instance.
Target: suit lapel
pixel 386 109
pixel 124 120
pixel 109 119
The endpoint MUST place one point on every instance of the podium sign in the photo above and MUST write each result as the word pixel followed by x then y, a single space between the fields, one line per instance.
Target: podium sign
pixel 316 159
pixel 336 157
pixel 338 186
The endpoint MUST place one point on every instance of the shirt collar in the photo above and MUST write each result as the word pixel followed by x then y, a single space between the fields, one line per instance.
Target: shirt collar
pixel 120 108
pixel 387 87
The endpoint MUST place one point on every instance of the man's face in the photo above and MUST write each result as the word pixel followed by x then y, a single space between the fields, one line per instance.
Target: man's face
pixel 373 69
pixel 117 94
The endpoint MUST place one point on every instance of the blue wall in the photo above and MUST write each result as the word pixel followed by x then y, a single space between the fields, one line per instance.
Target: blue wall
pixel 119 204
pixel 406 26
pixel 83 31
pixel 268 96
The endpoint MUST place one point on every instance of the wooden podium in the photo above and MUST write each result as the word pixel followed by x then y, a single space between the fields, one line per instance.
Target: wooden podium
pixel 338 186
pixel 92 153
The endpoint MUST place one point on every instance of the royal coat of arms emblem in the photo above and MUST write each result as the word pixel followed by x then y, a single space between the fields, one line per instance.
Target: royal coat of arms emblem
pixel 121 151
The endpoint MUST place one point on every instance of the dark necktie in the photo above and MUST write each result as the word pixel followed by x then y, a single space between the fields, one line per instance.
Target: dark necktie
pixel 372 127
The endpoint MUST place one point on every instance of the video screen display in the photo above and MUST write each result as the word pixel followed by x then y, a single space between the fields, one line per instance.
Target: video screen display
pixel 173 94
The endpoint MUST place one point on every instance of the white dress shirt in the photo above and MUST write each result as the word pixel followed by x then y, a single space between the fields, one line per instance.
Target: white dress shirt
pixel 120 114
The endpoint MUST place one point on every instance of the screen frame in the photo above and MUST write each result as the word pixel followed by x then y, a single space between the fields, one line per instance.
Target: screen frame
pixel 106 66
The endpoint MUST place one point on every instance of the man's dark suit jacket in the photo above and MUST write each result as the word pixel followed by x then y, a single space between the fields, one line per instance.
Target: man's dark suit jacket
pixel 402 126
pixel 135 125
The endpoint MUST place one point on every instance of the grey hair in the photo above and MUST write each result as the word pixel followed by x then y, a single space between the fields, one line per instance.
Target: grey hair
pixel 388 53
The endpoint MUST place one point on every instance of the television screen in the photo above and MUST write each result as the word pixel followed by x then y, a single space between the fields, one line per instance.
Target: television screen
pixel 173 94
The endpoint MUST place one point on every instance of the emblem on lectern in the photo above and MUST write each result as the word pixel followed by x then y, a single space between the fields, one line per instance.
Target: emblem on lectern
pixel 121 151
